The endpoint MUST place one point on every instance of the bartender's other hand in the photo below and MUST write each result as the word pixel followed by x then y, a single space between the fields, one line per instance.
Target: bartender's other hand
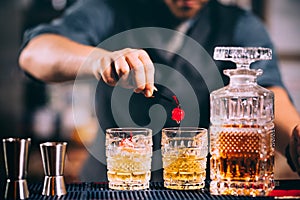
pixel 295 148
pixel 128 68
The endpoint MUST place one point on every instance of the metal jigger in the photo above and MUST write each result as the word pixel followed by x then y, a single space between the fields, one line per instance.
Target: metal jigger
pixel 53 157
pixel 16 152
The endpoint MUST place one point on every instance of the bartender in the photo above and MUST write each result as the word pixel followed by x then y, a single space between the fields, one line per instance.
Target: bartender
pixel 159 48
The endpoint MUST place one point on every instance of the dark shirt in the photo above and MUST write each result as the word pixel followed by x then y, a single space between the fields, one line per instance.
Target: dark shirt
pixel 187 71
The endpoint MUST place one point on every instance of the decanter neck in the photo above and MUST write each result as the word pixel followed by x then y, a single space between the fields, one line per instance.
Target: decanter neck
pixel 242 80
pixel 243 76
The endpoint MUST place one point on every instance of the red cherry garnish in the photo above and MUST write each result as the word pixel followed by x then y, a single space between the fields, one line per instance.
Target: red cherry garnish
pixel 127 141
pixel 177 113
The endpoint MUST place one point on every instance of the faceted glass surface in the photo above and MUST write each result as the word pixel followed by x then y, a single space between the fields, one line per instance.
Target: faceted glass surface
pixel 242 129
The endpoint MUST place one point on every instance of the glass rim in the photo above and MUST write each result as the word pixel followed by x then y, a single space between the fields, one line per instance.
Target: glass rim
pixel 131 129
pixel 49 144
pixel 15 139
pixel 185 128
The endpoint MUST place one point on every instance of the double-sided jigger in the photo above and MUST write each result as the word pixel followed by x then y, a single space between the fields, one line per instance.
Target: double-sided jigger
pixel 53 157
pixel 16 152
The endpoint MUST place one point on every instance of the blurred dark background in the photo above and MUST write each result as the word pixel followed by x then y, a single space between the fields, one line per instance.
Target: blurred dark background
pixel 31 109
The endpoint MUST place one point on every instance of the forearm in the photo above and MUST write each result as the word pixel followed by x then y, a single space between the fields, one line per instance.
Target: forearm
pixel 53 58
pixel 286 118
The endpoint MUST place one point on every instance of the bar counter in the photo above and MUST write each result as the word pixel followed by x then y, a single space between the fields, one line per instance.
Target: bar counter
pixel 285 189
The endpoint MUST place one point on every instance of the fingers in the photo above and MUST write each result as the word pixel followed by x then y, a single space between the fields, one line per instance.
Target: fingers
pixel 149 72
pixel 139 76
pixel 295 144
pixel 106 71
pixel 123 72
pixel 129 68
pixel 296 138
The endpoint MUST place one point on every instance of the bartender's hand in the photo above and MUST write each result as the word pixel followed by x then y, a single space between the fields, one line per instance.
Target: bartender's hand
pixel 128 68
pixel 295 148
pixel 54 58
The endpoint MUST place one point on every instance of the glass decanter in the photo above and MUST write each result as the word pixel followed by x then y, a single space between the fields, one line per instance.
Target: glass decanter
pixel 242 129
